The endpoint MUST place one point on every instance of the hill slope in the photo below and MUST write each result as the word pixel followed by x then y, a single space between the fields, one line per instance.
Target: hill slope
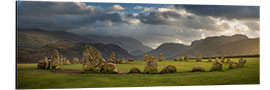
pixel 68 49
pixel 35 38
pixel 130 44
pixel 235 45
pixel 168 50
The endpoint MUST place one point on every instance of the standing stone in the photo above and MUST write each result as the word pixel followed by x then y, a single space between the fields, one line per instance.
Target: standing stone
pixel 135 70
pixel 160 57
pixel 75 60
pixel 151 65
pixel 217 66
pixel 112 58
pixel 199 58
pixel 145 57
pixel 180 58
pixel 55 60
pixel 168 69
pixel 186 58
pixel 67 62
pixel 92 59
pixel 241 63
pixel 131 59
pixel 61 60
pixel 122 61
pixel 209 60
pixel 222 59
pixel 64 61
pixel 228 60
pixel 232 65
pixel 109 68
pixel 175 59
pixel 41 64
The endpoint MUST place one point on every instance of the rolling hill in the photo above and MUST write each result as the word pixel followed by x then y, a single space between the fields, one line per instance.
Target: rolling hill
pixel 235 45
pixel 68 49
pixel 132 45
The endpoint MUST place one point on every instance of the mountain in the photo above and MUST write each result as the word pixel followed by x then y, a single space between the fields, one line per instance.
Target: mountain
pixel 68 49
pixel 235 45
pixel 168 50
pixel 130 44
pixel 224 45
pixel 36 38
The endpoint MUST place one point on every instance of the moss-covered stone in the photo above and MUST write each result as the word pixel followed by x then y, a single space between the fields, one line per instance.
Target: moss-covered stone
pixel 75 60
pixel 199 58
pixel 232 65
pixel 135 70
pixel 160 57
pixel 241 63
pixel 186 58
pixel 209 60
pixel 145 57
pixel 151 66
pixel 55 60
pixel 168 69
pixel 222 59
pixel 92 59
pixel 130 59
pixel 217 66
pixel 109 68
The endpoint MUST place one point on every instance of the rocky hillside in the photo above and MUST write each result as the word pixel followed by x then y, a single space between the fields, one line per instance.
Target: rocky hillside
pixel 69 49
pixel 235 45
pixel 132 45
pixel 35 38
pixel 168 50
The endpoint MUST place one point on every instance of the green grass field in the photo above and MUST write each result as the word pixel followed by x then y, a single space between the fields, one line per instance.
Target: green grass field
pixel 29 77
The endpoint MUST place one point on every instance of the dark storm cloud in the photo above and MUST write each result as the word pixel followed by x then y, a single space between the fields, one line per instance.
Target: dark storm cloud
pixel 159 17
pixel 166 24
pixel 54 8
pixel 229 12
pixel 61 15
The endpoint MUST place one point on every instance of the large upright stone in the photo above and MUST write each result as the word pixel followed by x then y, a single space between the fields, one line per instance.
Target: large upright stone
pixel 180 58
pixel 186 58
pixel 232 65
pixel 199 58
pixel 122 61
pixel 151 65
pixel 112 58
pixel 92 59
pixel 61 60
pixel 75 60
pixel 145 57
pixel 41 64
pixel 55 60
pixel 241 63
pixel 209 60
pixel 222 58
pixel 160 57
pixel 228 60
pixel 47 61
pixel 217 66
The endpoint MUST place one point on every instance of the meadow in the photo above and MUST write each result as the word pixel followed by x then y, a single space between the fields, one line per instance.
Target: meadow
pixel 29 77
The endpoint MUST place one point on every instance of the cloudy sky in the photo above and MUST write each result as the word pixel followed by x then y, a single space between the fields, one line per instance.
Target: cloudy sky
pixel 151 24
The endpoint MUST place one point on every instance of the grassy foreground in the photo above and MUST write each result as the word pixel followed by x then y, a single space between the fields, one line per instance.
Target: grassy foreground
pixel 28 77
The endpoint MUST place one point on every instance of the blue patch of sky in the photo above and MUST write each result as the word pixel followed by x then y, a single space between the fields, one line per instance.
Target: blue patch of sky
pixel 130 6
